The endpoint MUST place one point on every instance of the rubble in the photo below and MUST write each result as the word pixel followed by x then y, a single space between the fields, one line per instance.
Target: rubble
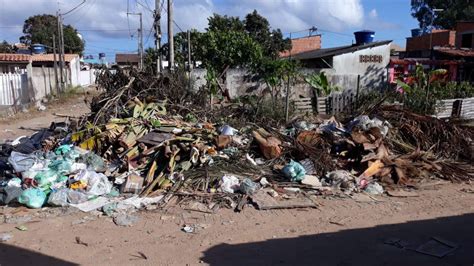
pixel 136 150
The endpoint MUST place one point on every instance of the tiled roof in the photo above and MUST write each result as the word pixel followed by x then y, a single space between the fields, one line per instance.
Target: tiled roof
pixel 50 57
pixel 15 57
pixel 456 51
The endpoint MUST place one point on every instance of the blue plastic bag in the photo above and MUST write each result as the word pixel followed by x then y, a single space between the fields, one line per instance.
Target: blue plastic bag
pixel 294 171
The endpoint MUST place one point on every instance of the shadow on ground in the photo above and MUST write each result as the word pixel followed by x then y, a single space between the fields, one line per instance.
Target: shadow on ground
pixel 356 246
pixel 11 255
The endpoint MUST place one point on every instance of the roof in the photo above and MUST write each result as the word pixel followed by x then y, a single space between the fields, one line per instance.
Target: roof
pixel 18 58
pixel 455 51
pixel 50 57
pixel 127 58
pixel 397 48
pixel 337 50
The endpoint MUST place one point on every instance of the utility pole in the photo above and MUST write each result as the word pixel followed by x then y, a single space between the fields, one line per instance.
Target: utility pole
pixel 170 35
pixel 63 57
pixel 190 66
pixel 61 63
pixel 55 64
pixel 140 40
pixel 63 74
pixel 158 36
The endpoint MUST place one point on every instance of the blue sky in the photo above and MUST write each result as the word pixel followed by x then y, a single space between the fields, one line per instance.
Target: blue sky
pixel 106 27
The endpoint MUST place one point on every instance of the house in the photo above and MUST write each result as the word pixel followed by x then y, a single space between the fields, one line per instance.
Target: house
pixel 452 50
pixel 45 63
pixel 363 62
pixel 124 60
pixel 32 77
pixel 14 63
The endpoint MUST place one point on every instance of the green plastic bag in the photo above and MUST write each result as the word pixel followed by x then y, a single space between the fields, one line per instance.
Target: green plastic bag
pixel 294 171
pixel 32 198
pixel 45 178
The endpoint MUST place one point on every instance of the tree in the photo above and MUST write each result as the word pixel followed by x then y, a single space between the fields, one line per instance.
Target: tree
pixel 5 47
pixel 272 41
pixel 40 29
pixel 453 11
pixel 224 23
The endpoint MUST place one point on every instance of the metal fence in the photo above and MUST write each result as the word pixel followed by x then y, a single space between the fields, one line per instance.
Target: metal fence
pixel 13 89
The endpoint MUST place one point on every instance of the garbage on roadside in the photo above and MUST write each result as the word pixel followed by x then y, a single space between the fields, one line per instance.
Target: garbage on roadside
pixel 132 152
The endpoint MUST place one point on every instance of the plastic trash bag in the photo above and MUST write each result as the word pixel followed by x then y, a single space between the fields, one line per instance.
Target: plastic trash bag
pixel 45 178
pixel 294 171
pixel 374 189
pixel 9 194
pixel 98 184
pixel 32 198
pixel 95 162
pixel 21 162
pixel 61 166
pixel 248 186
pixel 230 184
pixel 340 179
pixel 76 197
pixel 59 197
pixel 365 123
pixel 63 149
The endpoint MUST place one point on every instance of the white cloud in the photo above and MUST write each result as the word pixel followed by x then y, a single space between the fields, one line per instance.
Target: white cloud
pixel 373 14
pixel 107 19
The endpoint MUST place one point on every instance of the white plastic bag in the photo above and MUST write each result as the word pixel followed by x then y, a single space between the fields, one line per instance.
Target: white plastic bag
pixel 230 184
pixel 98 184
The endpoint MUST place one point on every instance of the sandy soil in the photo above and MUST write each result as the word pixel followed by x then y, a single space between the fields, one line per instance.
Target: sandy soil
pixel 341 231
pixel 25 124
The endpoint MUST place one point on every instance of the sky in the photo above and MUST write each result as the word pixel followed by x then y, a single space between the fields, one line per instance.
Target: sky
pixel 106 27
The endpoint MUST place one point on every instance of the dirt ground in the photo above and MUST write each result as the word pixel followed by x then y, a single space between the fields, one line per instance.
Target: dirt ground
pixel 341 231
pixel 25 124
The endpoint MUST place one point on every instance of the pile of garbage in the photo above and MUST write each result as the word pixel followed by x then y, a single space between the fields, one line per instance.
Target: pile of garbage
pixel 131 152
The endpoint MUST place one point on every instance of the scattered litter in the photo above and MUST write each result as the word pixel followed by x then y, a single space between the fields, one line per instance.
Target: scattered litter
pixel 311 180
pixel 21 228
pixel 92 204
pixel 294 171
pixel 230 184
pixel 248 187
pixel 374 189
pixel 188 229
pixel 80 242
pixel 125 220
pixel 5 237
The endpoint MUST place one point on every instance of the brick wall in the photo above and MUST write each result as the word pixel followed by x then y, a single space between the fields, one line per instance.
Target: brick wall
pixel 304 44
pixel 466 28
pixel 440 38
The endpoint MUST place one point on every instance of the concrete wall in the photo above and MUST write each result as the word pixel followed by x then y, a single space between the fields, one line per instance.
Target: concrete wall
pixel 74 70
pixel 238 83
pixel 43 82
pixel 373 74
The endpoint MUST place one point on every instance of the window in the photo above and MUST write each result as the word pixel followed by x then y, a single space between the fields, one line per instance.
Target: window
pixel 466 40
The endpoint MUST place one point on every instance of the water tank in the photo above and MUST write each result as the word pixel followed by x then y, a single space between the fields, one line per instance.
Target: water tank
pixel 364 36
pixel 416 32
pixel 38 49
